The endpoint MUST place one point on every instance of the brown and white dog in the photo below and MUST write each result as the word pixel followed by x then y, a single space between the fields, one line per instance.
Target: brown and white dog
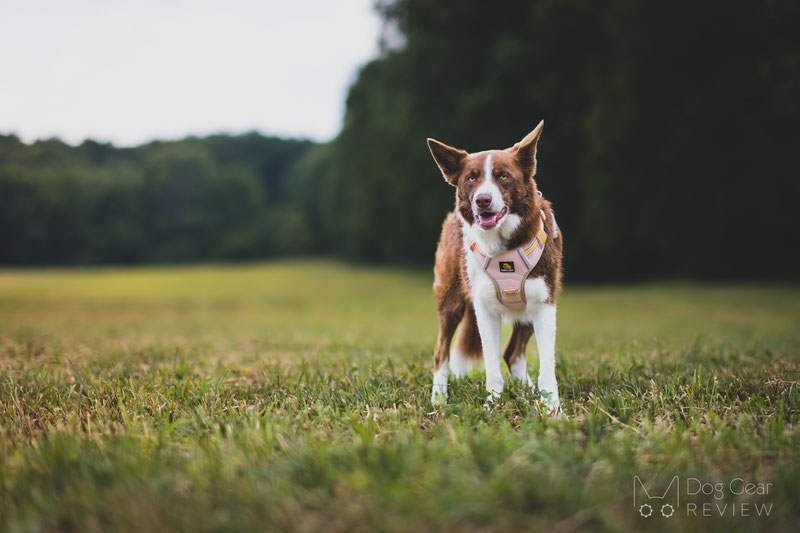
pixel 500 212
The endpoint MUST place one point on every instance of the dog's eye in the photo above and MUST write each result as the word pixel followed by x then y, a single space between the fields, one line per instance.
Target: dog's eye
pixel 504 176
pixel 472 177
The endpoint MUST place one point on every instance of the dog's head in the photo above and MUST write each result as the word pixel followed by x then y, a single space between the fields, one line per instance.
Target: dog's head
pixel 494 189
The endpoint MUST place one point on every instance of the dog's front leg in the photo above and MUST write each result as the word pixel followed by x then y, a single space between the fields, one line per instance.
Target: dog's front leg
pixel 544 326
pixel 489 328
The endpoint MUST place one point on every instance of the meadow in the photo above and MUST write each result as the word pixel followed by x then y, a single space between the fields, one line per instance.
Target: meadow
pixel 295 395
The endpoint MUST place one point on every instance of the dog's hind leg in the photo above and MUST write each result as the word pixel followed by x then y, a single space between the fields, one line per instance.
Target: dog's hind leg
pixel 515 351
pixel 449 317
pixel 466 352
pixel 451 300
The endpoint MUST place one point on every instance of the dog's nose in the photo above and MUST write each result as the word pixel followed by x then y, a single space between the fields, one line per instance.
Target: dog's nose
pixel 483 200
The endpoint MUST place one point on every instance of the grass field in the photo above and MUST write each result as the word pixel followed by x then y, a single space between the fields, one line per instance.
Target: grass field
pixel 296 396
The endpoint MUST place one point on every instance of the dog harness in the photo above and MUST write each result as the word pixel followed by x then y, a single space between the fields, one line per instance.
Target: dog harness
pixel 510 269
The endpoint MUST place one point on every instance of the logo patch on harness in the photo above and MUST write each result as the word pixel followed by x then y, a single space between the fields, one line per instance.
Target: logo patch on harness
pixel 507 266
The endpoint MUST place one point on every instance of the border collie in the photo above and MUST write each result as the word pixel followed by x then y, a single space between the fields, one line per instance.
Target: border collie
pixel 498 258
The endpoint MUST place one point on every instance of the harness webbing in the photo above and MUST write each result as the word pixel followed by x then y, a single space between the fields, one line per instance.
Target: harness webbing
pixel 507 276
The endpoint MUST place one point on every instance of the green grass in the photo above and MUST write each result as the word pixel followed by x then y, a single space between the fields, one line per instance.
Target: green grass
pixel 296 396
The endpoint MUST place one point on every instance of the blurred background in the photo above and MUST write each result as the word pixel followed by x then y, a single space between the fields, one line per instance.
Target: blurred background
pixel 164 132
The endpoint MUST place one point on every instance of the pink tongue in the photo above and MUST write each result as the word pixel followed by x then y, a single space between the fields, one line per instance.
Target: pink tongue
pixel 490 220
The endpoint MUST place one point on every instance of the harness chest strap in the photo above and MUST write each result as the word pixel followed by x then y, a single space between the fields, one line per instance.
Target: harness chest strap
pixel 510 269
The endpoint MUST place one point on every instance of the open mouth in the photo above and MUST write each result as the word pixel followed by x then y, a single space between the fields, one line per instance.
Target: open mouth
pixel 489 219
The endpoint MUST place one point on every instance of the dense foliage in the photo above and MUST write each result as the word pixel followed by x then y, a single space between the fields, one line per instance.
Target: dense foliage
pixel 670 146
pixel 669 150
pixel 214 198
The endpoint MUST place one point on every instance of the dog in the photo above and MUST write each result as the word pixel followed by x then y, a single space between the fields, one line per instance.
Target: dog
pixel 498 259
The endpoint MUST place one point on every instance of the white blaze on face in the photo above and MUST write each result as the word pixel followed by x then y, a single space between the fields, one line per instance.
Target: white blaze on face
pixel 487 168
pixel 488 187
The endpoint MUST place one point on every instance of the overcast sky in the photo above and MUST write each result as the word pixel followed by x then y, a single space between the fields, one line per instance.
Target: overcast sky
pixel 128 71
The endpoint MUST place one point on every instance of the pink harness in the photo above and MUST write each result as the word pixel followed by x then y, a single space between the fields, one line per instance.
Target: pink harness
pixel 510 269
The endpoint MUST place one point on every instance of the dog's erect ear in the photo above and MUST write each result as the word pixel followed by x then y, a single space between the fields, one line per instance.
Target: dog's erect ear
pixel 449 159
pixel 525 150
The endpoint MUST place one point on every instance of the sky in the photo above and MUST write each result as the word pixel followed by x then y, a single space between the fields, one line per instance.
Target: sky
pixel 130 71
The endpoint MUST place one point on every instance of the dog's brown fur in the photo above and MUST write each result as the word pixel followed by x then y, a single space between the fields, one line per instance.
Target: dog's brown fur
pixel 513 171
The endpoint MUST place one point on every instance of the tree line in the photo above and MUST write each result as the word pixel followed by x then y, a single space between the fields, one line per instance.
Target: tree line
pixel 216 198
pixel 669 149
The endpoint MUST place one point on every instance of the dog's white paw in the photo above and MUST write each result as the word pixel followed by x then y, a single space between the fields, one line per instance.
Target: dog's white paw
pixel 519 371
pixel 493 396
pixel 459 365
pixel 439 395
pixel 552 403
pixel 490 402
